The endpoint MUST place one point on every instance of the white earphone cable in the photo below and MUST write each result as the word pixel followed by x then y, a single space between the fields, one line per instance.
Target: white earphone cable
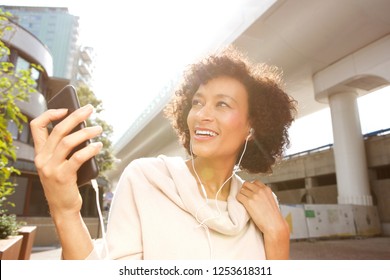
pixel 202 223
pixel 96 188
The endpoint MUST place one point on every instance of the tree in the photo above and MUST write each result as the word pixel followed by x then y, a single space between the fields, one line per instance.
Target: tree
pixel 15 86
pixel 105 158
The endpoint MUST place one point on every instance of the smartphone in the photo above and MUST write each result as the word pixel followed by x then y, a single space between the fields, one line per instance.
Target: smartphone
pixel 67 98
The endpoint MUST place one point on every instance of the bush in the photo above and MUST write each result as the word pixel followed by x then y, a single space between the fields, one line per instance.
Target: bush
pixel 9 226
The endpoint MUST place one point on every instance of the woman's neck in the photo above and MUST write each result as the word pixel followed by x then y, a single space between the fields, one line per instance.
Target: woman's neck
pixel 212 175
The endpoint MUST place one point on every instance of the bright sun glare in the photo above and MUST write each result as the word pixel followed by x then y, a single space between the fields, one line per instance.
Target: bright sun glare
pixel 143 45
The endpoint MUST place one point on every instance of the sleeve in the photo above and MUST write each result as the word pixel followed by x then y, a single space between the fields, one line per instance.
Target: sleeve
pixel 124 235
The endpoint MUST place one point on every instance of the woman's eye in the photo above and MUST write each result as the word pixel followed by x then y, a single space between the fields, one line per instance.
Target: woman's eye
pixel 222 104
pixel 195 102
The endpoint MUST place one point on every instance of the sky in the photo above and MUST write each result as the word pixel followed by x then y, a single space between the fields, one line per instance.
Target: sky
pixel 374 113
pixel 142 47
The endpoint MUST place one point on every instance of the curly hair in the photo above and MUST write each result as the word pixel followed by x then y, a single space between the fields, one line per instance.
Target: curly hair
pixel 271 109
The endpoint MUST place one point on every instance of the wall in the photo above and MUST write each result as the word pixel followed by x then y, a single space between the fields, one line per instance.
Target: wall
pixel 46 235
pixel 310 177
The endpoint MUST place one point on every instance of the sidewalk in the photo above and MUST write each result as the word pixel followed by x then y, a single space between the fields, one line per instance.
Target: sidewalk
pixel 46 254
pixel 373 248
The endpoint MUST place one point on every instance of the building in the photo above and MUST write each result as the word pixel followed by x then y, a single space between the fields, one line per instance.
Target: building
pixel 30 203
pixel 57 29
pixel 82 74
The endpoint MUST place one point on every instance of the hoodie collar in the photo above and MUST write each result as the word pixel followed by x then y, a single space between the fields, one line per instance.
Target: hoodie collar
pixel 207 214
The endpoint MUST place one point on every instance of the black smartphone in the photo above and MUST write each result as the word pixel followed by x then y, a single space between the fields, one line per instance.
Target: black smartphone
pixel 67 98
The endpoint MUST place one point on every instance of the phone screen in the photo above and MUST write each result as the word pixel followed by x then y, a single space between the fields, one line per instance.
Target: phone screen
pixel 67 98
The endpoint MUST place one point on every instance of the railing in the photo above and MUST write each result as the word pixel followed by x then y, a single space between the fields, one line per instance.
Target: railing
pixel 307 152
pixel 379 132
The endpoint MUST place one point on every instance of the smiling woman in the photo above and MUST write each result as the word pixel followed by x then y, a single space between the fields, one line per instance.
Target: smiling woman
pixel 270 113
pixel 233 115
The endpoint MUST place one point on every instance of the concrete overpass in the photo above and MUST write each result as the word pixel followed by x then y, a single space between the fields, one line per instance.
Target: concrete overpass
pixel 331 52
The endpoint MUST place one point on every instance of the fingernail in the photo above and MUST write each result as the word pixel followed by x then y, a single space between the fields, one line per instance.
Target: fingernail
pixel 97 128
pixel 87 107
pixel 60 111
pixel 97 144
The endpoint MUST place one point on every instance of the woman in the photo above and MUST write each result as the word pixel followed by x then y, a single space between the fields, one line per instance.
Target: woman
pixel 229 115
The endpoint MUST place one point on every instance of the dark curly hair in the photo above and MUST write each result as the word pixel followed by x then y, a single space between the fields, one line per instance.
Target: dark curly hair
pixel 271 110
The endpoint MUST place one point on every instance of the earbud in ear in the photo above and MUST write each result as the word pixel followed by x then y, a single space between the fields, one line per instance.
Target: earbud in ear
pixel 251 133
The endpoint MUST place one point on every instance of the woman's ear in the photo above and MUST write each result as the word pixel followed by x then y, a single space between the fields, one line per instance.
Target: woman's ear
pixel 250 134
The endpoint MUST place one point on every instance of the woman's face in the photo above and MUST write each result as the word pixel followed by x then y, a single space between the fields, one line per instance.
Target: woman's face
pixel 218 120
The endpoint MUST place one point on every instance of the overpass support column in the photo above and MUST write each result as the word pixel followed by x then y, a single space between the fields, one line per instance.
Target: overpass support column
pixel 349 151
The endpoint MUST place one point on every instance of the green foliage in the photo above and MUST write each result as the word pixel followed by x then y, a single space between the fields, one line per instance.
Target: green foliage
pixel 15 86
pixel 9 226
pixel 105 158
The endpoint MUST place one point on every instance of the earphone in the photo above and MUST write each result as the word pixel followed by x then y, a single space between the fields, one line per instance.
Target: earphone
pixel 235 169
pixel 251 133
pixel 101 221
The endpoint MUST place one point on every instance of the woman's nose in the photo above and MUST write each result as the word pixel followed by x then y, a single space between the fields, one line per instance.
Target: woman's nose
pixel 206 113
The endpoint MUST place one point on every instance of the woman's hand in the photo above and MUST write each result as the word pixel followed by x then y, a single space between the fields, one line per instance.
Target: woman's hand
pixel 259 201
pixel 57 173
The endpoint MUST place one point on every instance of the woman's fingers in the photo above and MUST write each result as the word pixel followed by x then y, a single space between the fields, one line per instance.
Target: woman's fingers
pixel 81 156
pixel 66 126
pixel 261 204
pixel 251 189
pixel 69 142
pixel 39 125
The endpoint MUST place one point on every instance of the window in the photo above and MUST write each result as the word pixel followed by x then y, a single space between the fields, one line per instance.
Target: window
pixel 290 185
pixel 19 196
pixel 3 55
pixel 37 202
pixel 13 129
pixel 326 180
pixel 23 135
pixel 383 172
pixel 23 64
